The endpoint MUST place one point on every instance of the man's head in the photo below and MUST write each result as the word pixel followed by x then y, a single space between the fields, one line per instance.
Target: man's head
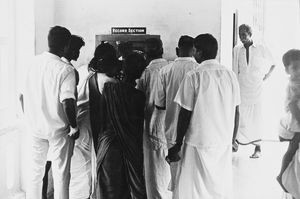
pixel 185 46
pixel 245 33
pixel 206 47
pixel 58 39
pixel 124 49
pixel 72 50
pixel 135 64
pixel 291 62
pixel 153 49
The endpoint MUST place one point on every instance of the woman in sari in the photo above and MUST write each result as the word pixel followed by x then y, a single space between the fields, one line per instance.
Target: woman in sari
pixel 117 114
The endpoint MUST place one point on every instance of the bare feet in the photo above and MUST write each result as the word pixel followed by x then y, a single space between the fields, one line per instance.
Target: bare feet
pixel 279 180
pixel 257 152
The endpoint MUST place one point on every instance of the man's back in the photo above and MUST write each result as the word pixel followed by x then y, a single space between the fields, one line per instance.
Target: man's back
pixel 211 92
pixel 147 84
pixel 49 82
pixel 170 77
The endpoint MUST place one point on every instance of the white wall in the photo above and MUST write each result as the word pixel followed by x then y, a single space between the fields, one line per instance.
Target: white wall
pixel 44 19
pixel 226 37
pixel 168 18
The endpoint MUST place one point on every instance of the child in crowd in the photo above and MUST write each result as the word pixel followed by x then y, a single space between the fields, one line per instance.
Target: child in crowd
pixel 290 124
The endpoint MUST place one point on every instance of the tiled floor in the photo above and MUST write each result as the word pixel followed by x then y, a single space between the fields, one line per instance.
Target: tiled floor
pixel 255 178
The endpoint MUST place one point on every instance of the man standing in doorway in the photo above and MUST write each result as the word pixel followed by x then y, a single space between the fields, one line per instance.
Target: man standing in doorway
pixel 50 107
pixel 250 64
pixel 209 97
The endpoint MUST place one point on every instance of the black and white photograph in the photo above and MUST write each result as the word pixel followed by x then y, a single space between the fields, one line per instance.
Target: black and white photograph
pixel 150 99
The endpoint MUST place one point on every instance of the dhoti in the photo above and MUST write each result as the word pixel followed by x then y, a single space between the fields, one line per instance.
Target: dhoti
pixel 250 127
pixel 157 170
pixel 204 173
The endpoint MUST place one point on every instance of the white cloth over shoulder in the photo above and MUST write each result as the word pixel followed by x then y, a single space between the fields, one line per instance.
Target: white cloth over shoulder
pixel 211 93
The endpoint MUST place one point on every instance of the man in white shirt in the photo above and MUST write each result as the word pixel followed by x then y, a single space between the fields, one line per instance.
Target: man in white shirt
pixel 50 108
pixel 157 171
pixel 250 64
pixel 71 52
pixel 168 83
pixel 209 97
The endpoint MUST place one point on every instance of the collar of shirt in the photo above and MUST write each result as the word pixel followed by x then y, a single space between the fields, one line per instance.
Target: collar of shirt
pixel 52 56
pixel 66 61
pixel 156 61
pixel 185 59
pixel 210 62
pixel 253 44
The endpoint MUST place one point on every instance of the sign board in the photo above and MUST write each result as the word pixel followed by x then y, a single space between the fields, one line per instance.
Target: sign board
pixel 128 30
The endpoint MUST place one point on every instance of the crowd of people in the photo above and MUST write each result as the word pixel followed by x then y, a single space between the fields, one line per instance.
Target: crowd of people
pixel 142 127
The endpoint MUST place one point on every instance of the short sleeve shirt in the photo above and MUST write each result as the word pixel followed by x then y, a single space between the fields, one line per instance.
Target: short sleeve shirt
pixel 147 84
pixel 211 92
pixel 168 83
pixel 49 82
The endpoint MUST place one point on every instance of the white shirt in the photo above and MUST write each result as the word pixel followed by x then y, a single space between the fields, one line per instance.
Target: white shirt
pixel 251 75
pixel 212 93
pixel 168 83
pixel 49 82
pixel 147 84
pixel 66 61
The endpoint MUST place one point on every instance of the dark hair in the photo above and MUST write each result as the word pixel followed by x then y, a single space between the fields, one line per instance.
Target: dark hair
pixel 207 44
pixel 186 42
pixel 246 28
pixel 289 56
pixel 153 48
pixel 105 60
pixel 135 64
pixel 125 48
pixel 75 43
pixel 58 37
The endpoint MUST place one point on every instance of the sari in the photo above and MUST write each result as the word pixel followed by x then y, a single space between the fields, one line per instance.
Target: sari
pixel 117 115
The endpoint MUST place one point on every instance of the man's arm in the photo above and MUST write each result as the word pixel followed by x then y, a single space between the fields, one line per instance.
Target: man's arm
pixel 182 126
pixel 67 98
pixel 235 129
pixel 269 72
pixel 236 122
pixel 69 106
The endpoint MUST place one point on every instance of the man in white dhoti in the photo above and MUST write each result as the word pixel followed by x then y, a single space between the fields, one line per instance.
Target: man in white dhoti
pixel 209 97
pixel 250 63
pixel 50 109
pixel 157 170
pixel 168 83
